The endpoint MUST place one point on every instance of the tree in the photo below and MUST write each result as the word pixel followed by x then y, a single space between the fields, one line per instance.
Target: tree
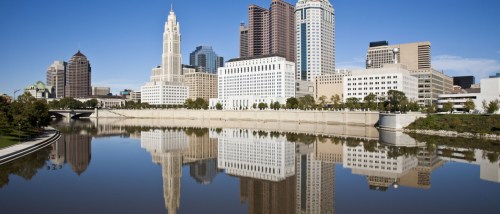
pixel 431 109
pixel 469 106
pixel 322 101
pixel 492 107
pixel 352 103
pixel 189 103
pixel 336 101
pixel 448 107
pixel 307 102
pixel 369 102
pixel 262 106
pixel 395 98
pixel 218 106
pixel 292 103
pixel 276 105
pixel 91 103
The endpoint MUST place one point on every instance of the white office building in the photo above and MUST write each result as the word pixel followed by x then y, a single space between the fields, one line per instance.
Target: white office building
pixel 166 84
pixel 379 81
pixel 315 38
pixel 490 91
pixel 243 154
pixel 247 81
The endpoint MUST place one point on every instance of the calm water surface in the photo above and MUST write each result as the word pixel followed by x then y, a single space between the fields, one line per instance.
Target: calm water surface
pixel 146 168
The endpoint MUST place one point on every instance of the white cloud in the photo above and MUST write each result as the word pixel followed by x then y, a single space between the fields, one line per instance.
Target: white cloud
pixel 460 66
pixel 355 64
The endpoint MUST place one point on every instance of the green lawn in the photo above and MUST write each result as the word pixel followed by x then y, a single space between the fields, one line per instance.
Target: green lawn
pixel 9 138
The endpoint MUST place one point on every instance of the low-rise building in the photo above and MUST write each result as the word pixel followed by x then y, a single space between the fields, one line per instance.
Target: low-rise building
pixel 105 101
pixel 379 81
pixel 248 81
pixel 199 83
pixel 101 91
pixel 39 90
pixel 330 85
pixel 431 84
pixel 135 96
pixel 164 93
pixel 490 91
pixel 304 88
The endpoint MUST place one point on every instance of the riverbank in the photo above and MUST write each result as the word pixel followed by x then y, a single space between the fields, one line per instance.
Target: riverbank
pixel 320 117
pixel 16 151
pixel 464 126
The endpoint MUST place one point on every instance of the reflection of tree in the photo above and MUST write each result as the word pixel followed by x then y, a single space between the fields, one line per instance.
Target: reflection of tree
pixel 26 167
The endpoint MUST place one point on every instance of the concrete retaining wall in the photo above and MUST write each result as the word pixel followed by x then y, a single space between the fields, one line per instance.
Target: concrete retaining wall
pixel 398 121
pixel 327 117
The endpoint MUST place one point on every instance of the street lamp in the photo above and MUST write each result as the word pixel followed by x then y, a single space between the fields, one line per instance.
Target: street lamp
pixel 15 91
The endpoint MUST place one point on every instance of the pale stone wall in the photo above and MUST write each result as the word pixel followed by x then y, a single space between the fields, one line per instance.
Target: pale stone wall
pixel 326 117
pixel 398 121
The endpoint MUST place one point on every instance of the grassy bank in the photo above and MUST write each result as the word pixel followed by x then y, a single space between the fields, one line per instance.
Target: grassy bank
pixel 12 137
pixel 476 124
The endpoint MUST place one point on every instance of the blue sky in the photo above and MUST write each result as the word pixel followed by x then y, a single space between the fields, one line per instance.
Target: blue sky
pixel 123 39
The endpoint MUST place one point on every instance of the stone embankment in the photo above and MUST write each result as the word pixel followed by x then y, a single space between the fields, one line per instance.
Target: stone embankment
pixel 443 133
pixel 358 118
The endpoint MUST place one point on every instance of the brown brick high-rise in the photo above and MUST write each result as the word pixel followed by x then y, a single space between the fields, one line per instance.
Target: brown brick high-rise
pixel 78 76
pixel 269 31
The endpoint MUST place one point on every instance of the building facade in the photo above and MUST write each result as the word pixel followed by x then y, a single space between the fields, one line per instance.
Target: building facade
pixel 330 85
pixel 416 56
pixel 206 59
pixel 40 91
pixel 244 155
pixel 315 38
pixel 166 84
pixel 56 77
pixel 270 31
pixel 78 77
pixel 379 81
pixel 243 41
pixel 464 81
pixel 431 84
pixel 101 91
pixel 200 84
pixel 490 91
pixel 248 81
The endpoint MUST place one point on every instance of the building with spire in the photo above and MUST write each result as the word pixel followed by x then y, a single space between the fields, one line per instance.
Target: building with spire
pixel 315 38
pixel 78 77
pixel 166 83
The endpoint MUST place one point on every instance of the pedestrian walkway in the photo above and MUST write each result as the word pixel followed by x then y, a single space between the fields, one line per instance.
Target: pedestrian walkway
pixel 22 149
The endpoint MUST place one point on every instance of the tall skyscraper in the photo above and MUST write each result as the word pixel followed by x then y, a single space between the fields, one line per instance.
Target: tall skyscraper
pixel 206 59
pixel 270 31
pixel 166 84
pixel 315 38
pixel 56 77
pixel 78 76
pixel 243 41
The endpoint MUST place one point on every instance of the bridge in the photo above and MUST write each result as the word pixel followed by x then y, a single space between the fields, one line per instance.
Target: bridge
pixel 71 113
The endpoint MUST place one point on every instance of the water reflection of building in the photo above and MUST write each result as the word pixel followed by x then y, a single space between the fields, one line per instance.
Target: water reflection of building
pixel 315 184
pixel 250 154
pixel 166 148
pixel 172 149
pixel 74 149
pixel 269 197
pixel 489 170
pixel 376 163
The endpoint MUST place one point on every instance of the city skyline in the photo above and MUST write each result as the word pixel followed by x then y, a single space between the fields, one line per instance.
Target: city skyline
pixel 461 44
